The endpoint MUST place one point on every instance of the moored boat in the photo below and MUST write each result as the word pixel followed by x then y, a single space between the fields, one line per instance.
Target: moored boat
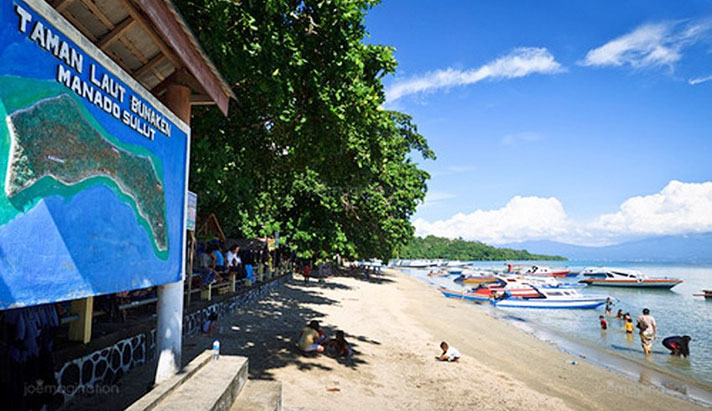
pixel 705 293
pixel 475 279
pixel 552 298
pixel 628 278
pixel 465 295
pixel 540 270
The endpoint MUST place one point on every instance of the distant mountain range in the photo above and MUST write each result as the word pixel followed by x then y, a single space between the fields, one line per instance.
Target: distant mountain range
pixel 689 248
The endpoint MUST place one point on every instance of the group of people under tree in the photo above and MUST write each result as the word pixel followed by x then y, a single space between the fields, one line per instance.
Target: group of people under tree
pixel 648 331
pixel 215 261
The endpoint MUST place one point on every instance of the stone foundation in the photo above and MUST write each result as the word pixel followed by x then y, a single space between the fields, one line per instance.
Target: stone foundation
pixel 101 369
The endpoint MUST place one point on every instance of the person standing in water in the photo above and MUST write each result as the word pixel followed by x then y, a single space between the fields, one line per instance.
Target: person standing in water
pixel 604 323
pixel 648 331
pixel 628 326
pixel 609 304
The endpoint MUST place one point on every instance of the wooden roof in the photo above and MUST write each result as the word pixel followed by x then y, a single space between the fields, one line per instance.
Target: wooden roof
pixel 151 41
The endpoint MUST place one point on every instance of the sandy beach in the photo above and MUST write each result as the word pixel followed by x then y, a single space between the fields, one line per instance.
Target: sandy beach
pixel 395 325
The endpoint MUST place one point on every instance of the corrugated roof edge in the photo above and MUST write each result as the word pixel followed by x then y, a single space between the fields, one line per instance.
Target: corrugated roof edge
pixel 193 39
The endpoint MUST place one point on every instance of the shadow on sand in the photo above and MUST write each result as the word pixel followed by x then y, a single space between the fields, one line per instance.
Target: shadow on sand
pixel 267 332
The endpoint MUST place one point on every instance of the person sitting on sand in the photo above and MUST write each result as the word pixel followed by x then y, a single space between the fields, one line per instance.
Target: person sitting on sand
pixel 628 326
pixel 339 346
pixel 308 338
pixel 678 345
pixel 604 323
pixel 449 353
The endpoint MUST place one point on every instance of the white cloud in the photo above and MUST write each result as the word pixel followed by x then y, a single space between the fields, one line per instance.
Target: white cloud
pixel 698 80
pixel 523 137
pixel 521 218
pixel 649 45
pixel 436 197
pixel 679 208
pixel 520 62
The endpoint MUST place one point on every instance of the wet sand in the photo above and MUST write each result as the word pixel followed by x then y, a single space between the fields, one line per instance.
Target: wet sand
pixel 395 325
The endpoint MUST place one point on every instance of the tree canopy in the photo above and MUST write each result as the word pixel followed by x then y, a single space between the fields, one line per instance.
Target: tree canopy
pixel 307 148
pixel 432 247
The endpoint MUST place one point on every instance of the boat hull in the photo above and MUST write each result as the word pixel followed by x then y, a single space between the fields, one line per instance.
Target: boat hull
pixel 549 304
pixel 463 295
pixel 479 280
pixel 647 283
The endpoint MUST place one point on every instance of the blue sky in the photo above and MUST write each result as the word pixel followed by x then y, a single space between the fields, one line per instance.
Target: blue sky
pixel 585 122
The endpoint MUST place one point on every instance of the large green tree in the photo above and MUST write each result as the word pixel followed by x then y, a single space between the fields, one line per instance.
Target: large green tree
pixel 307 148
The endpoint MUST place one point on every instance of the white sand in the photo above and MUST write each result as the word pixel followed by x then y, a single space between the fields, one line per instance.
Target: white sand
pixel 396 326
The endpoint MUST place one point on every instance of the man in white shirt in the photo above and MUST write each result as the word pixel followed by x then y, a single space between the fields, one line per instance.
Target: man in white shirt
pixel 648 331
pixel 233 259
pixel 449 353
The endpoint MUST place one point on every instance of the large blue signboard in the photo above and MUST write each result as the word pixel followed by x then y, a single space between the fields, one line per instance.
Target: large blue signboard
pixel 92 168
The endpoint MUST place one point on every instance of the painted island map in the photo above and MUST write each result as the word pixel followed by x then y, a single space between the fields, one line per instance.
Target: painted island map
pixel 92 181
pixel 50 139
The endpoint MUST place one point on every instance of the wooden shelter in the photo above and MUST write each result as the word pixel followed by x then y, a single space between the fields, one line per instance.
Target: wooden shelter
pixel 151 41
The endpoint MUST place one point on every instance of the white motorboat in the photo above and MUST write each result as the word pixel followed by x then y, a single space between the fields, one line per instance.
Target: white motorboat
pixel 618 277
pixel 551 298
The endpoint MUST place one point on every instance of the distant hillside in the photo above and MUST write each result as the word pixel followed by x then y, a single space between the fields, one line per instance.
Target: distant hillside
pixel 432 247
pixel 690 248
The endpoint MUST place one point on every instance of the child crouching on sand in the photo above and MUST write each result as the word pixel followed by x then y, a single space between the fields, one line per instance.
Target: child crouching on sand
pixel 339 347
pixel 449 353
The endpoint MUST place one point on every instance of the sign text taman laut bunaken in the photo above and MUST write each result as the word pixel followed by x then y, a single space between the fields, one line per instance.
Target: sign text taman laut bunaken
pixel 102 89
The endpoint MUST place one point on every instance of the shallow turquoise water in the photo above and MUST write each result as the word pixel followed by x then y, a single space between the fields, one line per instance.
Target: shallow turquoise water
pixel 677 312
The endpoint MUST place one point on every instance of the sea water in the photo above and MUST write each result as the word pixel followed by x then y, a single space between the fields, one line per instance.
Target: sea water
pixel 676 312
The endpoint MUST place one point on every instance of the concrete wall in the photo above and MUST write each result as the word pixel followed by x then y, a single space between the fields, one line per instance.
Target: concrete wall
pixel 104 367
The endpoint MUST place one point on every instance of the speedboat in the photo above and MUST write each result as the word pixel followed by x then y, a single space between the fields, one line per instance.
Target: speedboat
pixel 541 270
pixel 616 277
pixel 439 273
pixel 517 286
pixel 478 278
pixel 465 295
pixel 551 298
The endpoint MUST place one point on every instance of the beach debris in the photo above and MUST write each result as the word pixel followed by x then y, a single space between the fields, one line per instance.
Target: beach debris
pixel 334 389
pixel 573 362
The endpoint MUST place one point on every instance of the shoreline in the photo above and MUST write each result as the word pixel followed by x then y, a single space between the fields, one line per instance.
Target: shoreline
pixel 669 382
pixel 653 381
pixel 394 324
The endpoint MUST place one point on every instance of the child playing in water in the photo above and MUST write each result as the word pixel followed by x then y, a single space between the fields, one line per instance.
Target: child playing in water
pixel 628 326
pixel 604 323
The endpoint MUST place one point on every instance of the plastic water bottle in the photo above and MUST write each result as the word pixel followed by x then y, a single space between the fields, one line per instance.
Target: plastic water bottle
pixel 216 349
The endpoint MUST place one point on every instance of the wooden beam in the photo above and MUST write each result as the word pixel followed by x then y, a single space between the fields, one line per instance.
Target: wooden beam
pixel 149 66
pixel 61 5
pixel 98 13
pixel 79 26
pixel 109 38
pixel 136 52
pixel 80 330
pixel 201 100
pixel 171 27
pixel 146 26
